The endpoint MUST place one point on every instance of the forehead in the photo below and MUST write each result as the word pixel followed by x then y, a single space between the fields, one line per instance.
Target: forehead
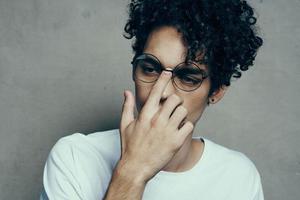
pixel 166 44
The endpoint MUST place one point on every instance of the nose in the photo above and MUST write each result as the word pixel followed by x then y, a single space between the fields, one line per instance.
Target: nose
pixel 169 90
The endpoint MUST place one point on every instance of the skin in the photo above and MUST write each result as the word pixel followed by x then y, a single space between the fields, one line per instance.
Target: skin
pixel 166 44
pixel 155 140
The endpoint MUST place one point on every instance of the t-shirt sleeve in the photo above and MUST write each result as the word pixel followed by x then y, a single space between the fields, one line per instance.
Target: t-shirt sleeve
pixel 59 178
pixel 259 194
pixel 80 166
pixel 247 180
pixel 74 171
pixel 253 180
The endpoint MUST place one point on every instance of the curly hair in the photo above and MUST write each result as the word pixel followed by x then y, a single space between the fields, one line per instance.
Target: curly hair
pixel 223 30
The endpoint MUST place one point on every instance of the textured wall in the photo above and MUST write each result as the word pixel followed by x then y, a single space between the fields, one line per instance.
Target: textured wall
pixel 64 65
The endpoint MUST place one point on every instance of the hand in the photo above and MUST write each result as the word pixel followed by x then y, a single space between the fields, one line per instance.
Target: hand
pixel 149 141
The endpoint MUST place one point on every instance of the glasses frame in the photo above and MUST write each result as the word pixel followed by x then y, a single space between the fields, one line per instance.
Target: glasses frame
pixel 146 55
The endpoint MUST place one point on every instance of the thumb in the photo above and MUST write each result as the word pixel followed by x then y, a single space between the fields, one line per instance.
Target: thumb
pixel 127 110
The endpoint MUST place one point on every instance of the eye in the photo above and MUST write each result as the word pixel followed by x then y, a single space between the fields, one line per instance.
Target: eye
pixel 186 79
pixel 149 69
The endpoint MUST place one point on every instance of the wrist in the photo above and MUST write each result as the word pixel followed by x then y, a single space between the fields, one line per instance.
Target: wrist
pixel 128 172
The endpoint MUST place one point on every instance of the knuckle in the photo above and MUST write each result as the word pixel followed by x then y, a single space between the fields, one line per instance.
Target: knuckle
pixel 183 110
pixel 176 98
pixel 190 125
pixel 176 144
pixel 144 117
pixel 126 105
pixel 155 121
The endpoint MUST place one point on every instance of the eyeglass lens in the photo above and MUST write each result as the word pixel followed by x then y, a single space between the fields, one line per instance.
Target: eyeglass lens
pixel 186 76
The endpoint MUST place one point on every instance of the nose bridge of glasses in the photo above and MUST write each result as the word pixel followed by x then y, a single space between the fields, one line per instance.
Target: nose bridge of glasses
pixel 168 69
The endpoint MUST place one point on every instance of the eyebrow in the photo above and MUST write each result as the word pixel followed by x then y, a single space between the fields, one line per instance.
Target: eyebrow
pixel 190 70
pixel 193 70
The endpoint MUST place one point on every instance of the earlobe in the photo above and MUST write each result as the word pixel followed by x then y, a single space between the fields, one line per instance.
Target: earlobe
pixel 217 95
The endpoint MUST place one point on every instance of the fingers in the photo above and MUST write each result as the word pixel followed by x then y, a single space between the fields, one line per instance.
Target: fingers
pixel 169 106
pixel 128 110
pixel 185 130
pixel 158 89
pixel 179 114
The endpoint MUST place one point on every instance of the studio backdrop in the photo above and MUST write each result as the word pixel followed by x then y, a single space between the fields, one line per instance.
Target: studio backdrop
pixel 64 65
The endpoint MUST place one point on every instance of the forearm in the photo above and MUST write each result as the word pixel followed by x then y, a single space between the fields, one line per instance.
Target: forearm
pixel 125 185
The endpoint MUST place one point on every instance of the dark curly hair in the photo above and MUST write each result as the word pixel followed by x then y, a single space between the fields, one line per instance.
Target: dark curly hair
pixel 223 30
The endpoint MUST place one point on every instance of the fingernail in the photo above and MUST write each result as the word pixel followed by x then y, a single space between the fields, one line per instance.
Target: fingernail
pixel 167 72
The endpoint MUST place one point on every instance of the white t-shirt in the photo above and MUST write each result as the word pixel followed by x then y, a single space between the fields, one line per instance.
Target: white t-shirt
pixel 80 167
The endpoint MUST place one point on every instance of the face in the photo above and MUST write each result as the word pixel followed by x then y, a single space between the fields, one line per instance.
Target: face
pixel 166 44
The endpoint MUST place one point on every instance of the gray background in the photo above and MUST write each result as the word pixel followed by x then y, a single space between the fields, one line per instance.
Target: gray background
pixel 64 65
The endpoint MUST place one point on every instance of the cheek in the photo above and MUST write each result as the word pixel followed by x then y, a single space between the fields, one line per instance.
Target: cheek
pixel 195 104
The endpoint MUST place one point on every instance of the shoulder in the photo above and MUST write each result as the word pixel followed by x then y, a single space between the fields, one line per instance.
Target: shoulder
pixel 80 139
pixel 82 164
pixel 104 144
pixel 231 156
pixel 235 168
pixel 234 162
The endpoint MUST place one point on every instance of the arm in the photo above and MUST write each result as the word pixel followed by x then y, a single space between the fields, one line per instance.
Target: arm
pixel 146 146
pixel 58 177
pixel 124 185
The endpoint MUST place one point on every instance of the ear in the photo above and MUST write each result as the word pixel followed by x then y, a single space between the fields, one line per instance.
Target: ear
pixel 218 94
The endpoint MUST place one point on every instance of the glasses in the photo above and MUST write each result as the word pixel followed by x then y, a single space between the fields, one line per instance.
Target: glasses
pixel 186 76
